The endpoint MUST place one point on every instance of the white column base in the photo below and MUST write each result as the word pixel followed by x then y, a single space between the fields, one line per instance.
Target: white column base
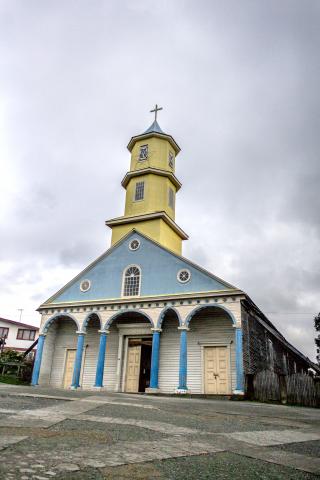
pixel 181 391
pixel 152 390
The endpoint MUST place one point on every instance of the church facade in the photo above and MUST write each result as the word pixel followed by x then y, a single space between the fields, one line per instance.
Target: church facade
pixel 142 318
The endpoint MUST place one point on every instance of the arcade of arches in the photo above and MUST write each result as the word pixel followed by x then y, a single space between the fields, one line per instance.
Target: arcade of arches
pixel 176 351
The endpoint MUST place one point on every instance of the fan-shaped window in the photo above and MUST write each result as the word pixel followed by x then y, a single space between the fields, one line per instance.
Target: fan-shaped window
pixel 131 281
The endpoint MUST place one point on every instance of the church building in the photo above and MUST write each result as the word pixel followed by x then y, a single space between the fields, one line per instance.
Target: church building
pixel 142 318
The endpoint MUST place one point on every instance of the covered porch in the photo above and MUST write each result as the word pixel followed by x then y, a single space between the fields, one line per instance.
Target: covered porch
pixel 197 351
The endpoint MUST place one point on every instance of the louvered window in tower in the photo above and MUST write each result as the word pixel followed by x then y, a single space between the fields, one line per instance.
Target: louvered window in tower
pixel 131 284
pixel 143 153
pixel 171 160
pixel 171 198
pixel 139 192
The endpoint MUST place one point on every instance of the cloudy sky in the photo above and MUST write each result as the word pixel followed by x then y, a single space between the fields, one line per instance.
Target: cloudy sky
pixel 239 83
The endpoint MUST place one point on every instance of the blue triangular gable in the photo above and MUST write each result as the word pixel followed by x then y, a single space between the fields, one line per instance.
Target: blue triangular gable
pixel 159 269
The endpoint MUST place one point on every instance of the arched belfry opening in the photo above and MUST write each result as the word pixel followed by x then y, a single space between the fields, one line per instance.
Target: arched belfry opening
pixel 129 350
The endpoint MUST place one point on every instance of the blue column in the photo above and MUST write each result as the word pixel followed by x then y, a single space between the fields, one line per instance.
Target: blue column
pixel 77 362
pixel 37 362
pixel 183 360
pixel 155 359
pixel 101 357
pixel 239 362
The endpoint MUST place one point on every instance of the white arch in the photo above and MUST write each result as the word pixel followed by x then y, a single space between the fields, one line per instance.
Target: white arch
pixel 217 307
pixel 163 313
pixel 58 316
pixel 87 319
pixel 123 312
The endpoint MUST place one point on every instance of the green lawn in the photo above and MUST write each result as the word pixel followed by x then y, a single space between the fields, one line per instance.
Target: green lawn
pixel 12 380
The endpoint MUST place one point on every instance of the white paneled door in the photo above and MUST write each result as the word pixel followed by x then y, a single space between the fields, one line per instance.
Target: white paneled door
pixel 216 370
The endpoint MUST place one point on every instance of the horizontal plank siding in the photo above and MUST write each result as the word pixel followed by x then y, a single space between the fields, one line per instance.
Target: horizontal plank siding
pixel 90 356
pixel 169 357
pixel 47 356
pixel 110 366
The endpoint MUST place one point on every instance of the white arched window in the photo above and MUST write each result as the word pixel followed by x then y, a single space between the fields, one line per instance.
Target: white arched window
pixel 131 281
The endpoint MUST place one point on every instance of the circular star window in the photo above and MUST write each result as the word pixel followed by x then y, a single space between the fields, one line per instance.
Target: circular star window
pixel 134 244
pixel 85 285
pixel 184 275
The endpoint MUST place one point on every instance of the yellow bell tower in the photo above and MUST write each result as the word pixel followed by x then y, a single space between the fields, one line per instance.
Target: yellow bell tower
pixel 151 187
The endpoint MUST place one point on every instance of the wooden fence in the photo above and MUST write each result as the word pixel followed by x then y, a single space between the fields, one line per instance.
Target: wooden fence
pixel 296 389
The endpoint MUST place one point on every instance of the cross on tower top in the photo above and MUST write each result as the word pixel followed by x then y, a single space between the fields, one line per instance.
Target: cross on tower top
pixel 156 110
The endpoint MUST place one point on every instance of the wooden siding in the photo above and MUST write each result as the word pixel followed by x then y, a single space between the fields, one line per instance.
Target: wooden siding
pixel 90 355
pixel 110 366
pixel 169 357
pixel 47 356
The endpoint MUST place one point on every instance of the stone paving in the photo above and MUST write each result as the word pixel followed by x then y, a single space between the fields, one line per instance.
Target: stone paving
pixel 149 425
pixel 275 437
pixel 63 435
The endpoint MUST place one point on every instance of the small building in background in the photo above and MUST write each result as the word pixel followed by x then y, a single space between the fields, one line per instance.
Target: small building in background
pixel 17 336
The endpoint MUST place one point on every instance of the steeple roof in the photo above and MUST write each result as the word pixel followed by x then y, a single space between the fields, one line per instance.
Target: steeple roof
pixel 154 130
pixel 155 127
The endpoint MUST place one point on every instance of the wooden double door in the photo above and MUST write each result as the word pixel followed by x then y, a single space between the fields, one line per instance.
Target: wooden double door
pixel 138 365
pixel 216 371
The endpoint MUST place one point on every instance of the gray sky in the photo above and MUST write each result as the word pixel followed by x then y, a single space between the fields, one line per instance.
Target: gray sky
pixel 239 83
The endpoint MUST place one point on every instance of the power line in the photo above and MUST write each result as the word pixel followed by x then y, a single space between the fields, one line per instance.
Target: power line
pixel 291 313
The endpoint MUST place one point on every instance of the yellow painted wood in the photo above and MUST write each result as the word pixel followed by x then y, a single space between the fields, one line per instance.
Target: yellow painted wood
pixel 68 371
pixel 169 238
pixel 156 194
pixel 133 368
pixel 216 370
pixel 157 229
pixel 158 154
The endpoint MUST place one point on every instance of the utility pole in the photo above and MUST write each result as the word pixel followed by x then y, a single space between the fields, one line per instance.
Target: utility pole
pixel 20 310
pixel 317 339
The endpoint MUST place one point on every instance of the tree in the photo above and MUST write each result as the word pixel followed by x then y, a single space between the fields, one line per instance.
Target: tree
pixel 11 356
pixel 317 339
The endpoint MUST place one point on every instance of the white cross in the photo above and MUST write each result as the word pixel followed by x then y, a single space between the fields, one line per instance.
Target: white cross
pixel 156 110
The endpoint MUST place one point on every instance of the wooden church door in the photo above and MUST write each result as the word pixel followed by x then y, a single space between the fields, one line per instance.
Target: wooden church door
pixel 216 371
pixel 133 368
pixel 69 365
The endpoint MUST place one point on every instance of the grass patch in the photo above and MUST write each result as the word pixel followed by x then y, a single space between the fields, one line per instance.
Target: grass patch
pixel 11 379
